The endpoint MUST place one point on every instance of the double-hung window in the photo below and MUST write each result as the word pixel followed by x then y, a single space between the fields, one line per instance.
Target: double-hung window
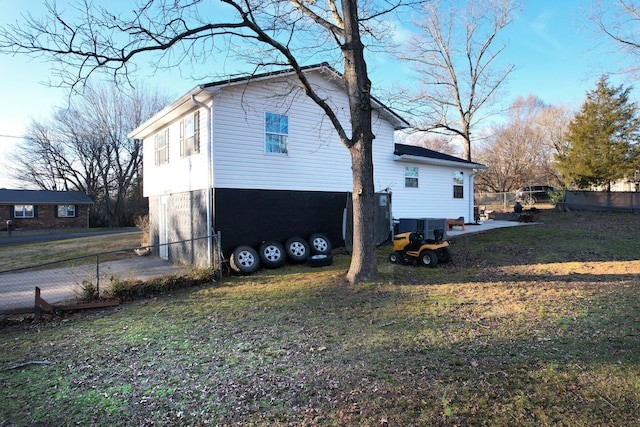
pixel 276 139
pixel 190 135
pixel 411 176
pixel 66 211
pixel 162 147
pixel 458 185
pixel 23 211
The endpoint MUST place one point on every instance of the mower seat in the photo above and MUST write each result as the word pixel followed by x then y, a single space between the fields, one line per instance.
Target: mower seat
pixel 438 234
pixel 415 241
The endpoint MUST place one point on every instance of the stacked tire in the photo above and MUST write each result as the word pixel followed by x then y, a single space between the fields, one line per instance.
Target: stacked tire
pixel 273 254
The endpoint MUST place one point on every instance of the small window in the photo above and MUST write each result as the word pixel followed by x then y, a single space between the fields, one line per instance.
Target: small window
pixel 276 133
pixel 458 185
pixel 411 176
pixel 23 211
pixel 458 178
pixel 162 147
pixel 66 211
pixel 190 135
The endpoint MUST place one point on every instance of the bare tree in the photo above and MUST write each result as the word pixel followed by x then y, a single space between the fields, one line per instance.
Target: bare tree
pixel 619 21
pixel 455 56
pixel 85 147
pixel 522 151
pixel 290 31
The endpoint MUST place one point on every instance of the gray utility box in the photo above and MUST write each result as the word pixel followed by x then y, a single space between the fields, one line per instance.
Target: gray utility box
pixel 426 225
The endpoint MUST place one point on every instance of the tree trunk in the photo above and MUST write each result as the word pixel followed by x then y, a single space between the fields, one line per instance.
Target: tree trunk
pixel 363 262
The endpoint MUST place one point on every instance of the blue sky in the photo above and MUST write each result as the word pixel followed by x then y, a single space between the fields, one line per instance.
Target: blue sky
pixel 554 54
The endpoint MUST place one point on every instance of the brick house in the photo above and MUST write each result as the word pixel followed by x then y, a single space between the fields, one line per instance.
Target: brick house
pixel 32 209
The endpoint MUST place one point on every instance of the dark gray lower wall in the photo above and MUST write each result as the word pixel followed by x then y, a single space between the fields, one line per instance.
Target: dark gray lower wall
pixel 248 217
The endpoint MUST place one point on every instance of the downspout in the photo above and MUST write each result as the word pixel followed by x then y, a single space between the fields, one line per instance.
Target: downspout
pixel 472 195
pixel 209 177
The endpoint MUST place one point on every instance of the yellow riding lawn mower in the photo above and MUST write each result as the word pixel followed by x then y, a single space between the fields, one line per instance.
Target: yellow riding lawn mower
pixel 412 248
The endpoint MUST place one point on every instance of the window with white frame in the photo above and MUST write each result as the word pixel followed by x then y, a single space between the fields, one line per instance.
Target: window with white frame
pixel 276 139
pixel 23 211
pixel 162 147
pixel 458 185
pixel 190 135
pixel 411 176
pixel 66 211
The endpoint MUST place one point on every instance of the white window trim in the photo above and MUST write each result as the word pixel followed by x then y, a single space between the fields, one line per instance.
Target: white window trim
pixel 66 210
pixel 23 211
pixel 276 153
pixel 417 177
pixel 192 149
pixel 165 149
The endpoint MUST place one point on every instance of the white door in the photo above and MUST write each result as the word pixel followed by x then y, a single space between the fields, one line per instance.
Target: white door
pixel 163 232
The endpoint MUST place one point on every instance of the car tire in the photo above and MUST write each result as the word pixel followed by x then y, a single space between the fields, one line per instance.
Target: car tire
pixel 319 260
pixel 244 260
pixel 272 254
pixel 428 258
pixel 297 249
pixel 320 244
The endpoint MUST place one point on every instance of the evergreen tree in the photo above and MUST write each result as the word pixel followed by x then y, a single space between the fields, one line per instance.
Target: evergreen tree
pixel 602 139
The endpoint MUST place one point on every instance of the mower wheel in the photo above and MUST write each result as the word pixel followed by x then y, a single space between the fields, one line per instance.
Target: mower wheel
pixel 245 260
pixel 444 255
pixel 428 258
pixel 394 258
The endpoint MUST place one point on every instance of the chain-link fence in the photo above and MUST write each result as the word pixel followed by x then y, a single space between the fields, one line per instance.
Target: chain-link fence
pixel 495 200
pixel 89 276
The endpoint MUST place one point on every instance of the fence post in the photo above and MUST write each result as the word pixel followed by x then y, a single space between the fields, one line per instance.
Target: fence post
pixel 98 275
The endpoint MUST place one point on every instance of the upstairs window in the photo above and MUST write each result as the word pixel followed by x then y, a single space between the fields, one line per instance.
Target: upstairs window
pixel 411 176
pixel 66 211
pixel 23 211
pixel 190 135
pixel 276 138
pixel 162 147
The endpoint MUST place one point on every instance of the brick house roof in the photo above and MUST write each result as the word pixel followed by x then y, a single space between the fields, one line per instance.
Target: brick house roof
pixel 43 197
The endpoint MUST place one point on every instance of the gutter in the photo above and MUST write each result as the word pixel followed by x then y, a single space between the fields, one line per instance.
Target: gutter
pixel 438 162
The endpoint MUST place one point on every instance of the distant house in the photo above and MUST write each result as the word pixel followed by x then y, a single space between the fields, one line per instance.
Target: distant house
pixel 31 209
pixel 256 159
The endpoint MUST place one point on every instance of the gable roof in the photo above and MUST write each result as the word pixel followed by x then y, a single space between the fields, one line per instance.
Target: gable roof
pixel 424 155
pixel 206 91
pixel 43 197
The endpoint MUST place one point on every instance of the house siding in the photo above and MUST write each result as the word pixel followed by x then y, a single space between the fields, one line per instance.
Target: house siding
pixel 314 149
pixel 434 196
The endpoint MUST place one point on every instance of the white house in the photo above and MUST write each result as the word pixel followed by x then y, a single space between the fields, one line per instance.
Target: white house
pixel 256 159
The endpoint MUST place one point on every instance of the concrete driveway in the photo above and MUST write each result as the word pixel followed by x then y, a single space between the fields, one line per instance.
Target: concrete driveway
pixel 17 290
